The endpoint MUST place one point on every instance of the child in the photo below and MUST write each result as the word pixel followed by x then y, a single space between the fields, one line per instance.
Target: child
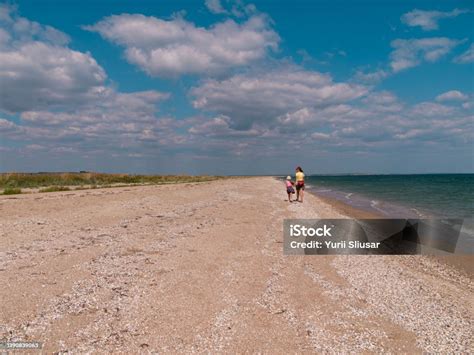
pixel 289 187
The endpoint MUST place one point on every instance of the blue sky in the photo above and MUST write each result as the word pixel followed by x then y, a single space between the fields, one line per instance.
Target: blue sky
pixel 233 87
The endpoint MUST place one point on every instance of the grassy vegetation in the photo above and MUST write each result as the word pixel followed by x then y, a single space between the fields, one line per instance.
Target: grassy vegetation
pixel 54 188
pixel 58 180
pixel 11 191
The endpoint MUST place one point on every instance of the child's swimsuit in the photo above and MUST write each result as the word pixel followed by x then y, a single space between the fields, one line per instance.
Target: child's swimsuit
pixel 289 187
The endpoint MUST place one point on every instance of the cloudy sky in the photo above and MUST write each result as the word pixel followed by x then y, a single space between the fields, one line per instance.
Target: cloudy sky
pixel 234 87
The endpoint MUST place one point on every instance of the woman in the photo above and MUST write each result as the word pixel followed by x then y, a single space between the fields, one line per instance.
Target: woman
pixel 299 183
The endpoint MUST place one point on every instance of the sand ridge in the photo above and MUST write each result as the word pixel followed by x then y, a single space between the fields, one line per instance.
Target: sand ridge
pixel 199 267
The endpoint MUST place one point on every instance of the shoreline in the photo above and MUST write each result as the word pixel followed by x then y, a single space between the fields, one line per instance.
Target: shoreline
pixel 342 208
pixel 463 263
pixel 403 196
pixel 346 209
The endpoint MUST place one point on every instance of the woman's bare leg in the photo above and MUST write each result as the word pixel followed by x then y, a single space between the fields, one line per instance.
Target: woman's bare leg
pixel 302 193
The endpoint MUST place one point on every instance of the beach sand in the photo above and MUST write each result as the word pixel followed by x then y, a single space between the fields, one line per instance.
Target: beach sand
pixel 199 267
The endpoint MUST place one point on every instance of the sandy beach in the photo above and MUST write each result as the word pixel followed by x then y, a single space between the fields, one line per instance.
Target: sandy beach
pixel 199 267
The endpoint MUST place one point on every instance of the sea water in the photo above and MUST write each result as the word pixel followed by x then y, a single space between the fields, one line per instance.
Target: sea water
pixel 403 196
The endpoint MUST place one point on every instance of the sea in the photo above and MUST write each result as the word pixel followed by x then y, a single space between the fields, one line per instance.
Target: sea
pixel 402 196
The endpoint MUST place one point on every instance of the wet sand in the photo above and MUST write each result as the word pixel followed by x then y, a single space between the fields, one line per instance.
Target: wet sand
pixel 348 210
pixel 199 268
pixel 463 263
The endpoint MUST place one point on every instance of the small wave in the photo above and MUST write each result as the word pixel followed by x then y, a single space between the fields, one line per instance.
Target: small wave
pixel 421 215
pixel 374 204
pixel 467 228
pixel 348 196
pixel 323 190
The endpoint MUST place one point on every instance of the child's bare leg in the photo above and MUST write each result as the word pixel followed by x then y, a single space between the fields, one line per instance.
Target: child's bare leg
pixel 289 197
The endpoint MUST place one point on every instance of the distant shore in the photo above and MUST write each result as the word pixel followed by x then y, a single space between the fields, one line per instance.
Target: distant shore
pixel 13 183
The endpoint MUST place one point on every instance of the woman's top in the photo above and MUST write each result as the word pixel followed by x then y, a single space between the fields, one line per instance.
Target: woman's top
pixel 299 176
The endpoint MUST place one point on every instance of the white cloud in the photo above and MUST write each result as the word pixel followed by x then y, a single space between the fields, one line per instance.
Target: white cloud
pixel 453 95
pixel 62 99
pixel 220 127
pixel 409 53
pixel 321 136
pixel 299 117
pixel 428 20
pixel 23 30
pixel 378 120
pixel 466 57
pixel 311 117
pixel 6 125
pixel 468 105
pixel 380 98
pixel 237 8
pixel 265 96
pixel 431 109
pixel 382 102
pixel 120 121
pixel 115 107
pixel 37 70
pixel 174 47
pixel 66 108
pixel 370 77
pixel 36 75
pixel 215 7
